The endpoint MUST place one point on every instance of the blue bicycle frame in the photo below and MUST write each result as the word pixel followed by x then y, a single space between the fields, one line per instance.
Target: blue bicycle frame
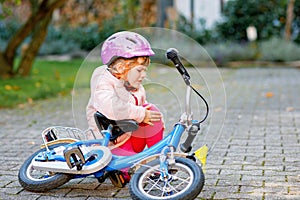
pixel 167 145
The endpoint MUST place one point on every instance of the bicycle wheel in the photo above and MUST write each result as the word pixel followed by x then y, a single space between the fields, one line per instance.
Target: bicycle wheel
pixel 40 181
pixel 186 181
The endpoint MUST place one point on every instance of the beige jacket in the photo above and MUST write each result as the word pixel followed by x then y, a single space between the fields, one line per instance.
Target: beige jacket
pixel 109 97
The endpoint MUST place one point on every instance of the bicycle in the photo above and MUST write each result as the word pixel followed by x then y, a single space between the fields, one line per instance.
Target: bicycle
pixel 159 172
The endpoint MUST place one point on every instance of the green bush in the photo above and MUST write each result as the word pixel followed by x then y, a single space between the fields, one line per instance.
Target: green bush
pixel 66 39
pixel 3 44
pixel 91 37
pixel 268 16
pixel 58 47
pixel 229 51
pixel 277 49
pixel 86 37
pixel 202 34
pixel 273 50
pixel 7 29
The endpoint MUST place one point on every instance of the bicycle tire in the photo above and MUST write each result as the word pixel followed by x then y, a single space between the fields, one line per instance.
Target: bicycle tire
pixel 41 185
pixel 136 187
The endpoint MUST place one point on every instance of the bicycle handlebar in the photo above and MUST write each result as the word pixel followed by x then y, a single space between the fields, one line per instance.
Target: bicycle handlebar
pixel 172 54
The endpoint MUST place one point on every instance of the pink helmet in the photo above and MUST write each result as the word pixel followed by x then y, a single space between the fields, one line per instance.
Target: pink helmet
pixel 124 44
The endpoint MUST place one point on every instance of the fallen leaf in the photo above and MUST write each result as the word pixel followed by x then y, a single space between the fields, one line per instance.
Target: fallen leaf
pixel 289 109
pixel 15 87
pixel 218 109
pixel 30 100
pixel 8 87
pixel 11 87
pixel 21 105
pixel 35 71
pixel 269 94
pixel 37 84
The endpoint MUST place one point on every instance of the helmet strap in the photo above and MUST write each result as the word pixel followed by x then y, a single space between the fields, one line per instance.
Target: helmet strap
pixel 129 87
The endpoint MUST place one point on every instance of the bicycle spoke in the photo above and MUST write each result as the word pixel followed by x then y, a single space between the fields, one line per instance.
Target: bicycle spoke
pixel 154 185
pixel 183 180
pixel 173 188
pixel 163 190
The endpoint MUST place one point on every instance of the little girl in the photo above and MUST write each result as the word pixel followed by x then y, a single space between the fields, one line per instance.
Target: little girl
pixel 117 92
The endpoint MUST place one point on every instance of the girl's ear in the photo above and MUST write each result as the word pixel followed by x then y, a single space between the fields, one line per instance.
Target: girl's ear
pixel 119 67
pixel 119 70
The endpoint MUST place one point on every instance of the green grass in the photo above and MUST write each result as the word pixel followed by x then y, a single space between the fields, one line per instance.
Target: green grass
pixel 47 79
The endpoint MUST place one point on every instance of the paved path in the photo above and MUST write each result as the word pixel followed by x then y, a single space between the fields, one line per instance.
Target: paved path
pixel 255 157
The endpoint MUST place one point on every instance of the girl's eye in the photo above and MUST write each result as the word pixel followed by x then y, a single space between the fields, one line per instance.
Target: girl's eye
pixel 141 70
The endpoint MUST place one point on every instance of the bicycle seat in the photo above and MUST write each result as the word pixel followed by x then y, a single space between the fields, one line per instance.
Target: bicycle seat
pixel 119 126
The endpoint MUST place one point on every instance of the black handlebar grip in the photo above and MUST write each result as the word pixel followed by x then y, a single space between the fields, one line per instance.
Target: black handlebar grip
pixel 172 54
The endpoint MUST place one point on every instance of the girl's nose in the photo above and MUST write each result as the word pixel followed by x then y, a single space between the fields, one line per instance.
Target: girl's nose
pixel 144 74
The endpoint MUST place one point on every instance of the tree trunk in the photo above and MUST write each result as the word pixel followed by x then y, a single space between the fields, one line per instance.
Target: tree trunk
pixel 22 33
pixel 289 19
pixel 37 40
pixel 5 68
pixel 45 7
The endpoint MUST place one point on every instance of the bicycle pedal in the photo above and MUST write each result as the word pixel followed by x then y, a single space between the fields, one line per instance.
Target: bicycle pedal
pixel 117 178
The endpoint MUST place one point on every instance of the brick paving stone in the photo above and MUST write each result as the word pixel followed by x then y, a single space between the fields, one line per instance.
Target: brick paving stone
pixel 255 149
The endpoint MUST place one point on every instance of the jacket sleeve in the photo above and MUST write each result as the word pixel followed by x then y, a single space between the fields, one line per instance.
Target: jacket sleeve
pixel 116 105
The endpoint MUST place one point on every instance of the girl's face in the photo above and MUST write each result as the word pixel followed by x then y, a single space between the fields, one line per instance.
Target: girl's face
pixel 136 75
pixel 132 71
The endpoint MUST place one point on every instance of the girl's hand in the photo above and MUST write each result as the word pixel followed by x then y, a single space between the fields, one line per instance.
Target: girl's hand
pixel 151 116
